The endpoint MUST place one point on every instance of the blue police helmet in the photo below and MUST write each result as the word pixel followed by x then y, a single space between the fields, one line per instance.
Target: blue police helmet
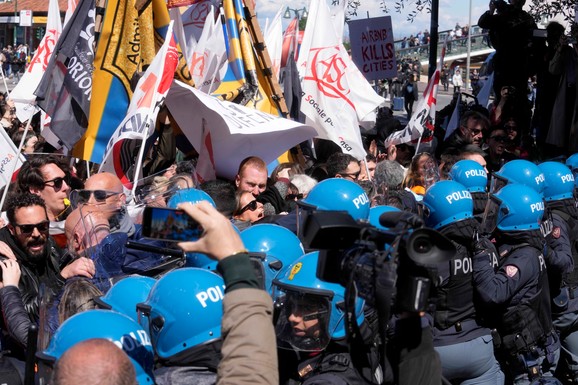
pixel 279 246
pixel 559 181
pixel 514 208
pixel 471 174
pixel 572 162
pixel 376 211
pixel 191 195
pixel 337 194
pixel 183 310
pixel 519 171
pixel 446 202
pixel 116 327
pixel 301 298
pixel 125 294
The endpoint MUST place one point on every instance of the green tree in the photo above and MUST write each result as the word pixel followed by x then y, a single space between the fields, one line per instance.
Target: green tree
pixel 411 8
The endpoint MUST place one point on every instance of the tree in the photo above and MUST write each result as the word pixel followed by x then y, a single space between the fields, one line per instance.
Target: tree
pixel 538 8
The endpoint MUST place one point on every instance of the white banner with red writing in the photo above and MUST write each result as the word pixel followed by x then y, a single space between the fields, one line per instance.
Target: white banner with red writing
pixel 139 122
pixel 335 94
pixel 420 128
pixel 236 131
pixel 23 93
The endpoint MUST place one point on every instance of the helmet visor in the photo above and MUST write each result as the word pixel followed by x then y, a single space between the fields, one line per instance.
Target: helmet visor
pixel 490 217
pixel 302 319
pixel 497 182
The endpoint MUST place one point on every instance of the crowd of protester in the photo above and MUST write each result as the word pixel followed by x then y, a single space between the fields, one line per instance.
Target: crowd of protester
pixel 463 252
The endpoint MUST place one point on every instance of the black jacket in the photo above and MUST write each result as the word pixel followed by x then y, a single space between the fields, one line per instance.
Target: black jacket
pixel 20 307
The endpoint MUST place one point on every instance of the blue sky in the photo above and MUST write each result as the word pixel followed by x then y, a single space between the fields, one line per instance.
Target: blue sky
pixel 450 13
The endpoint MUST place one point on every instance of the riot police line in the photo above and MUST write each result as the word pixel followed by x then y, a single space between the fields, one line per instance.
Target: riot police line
pixel 376 295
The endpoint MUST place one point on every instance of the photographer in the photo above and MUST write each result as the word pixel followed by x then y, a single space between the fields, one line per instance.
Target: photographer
pixel 249 351
pixel 517 53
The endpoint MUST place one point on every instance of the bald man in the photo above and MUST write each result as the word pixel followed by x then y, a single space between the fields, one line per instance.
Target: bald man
pixel 85 229
pixel 94 362
pixel 104 192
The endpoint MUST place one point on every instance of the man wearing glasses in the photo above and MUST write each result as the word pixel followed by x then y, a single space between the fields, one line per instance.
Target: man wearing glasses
pixel 344 166
pixel 30 261
pixel 473 126
pixel 44 176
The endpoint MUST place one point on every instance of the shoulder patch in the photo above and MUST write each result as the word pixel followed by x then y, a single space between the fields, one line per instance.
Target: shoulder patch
pixel 556 232
pixel 511 271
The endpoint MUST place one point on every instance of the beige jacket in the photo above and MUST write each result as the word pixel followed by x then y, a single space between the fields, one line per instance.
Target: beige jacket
pixel 249 344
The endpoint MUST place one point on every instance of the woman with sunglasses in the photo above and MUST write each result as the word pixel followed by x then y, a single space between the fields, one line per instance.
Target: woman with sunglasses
pixel 247 210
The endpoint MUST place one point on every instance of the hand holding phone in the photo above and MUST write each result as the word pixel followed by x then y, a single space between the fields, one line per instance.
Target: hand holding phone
pixel 171 225
pixel 219 239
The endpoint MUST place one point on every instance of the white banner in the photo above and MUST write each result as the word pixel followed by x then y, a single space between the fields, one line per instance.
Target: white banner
pixel 236 131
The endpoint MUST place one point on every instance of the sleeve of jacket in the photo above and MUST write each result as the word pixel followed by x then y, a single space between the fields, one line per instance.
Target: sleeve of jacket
pixel 15 316
pixel 559 258
pixel 249 350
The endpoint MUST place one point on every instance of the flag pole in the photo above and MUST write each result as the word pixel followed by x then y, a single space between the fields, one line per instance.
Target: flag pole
pixel 4 78
pixel 22 141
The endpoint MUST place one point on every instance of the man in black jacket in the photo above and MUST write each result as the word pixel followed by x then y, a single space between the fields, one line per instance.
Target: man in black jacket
pixel 26 240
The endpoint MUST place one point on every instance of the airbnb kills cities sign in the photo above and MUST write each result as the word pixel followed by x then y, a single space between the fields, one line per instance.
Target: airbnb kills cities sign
pixel 372 47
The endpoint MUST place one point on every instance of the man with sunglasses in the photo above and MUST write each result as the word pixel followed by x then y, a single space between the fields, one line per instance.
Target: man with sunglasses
pixel 46 176
pixel 497 155
pixel 39 261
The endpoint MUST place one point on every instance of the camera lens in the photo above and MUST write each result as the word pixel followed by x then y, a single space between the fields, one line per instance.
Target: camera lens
pixel 422 245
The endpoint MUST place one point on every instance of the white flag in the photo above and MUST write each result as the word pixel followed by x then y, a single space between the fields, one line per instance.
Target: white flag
pixel 141 115
pixel 10 155
pixel 336 96
pixel 274 42
pixel 23 93
pixel 208 59
pixel 420 127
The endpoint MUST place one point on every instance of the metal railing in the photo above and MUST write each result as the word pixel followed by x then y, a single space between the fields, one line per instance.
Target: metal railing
pixel 455 47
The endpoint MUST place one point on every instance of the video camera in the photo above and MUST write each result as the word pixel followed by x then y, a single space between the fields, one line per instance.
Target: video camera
pixel 401 260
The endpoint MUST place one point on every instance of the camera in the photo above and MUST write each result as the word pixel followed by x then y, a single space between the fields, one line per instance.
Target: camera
pixel 404 258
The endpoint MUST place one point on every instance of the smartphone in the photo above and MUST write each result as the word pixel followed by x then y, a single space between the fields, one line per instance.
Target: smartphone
pixel 169 225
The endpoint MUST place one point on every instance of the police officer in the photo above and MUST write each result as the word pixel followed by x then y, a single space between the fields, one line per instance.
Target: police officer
pixel 473 176
pixel 183 315
pixel 527 173
pixel 516 293
pixel 448 208
pixel 560 199
pixel 310 329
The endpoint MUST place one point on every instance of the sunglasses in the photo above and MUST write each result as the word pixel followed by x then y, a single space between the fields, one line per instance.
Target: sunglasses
pixel 251 206
pixel 57 183
pixel 29 229
pixel 83 196
pixel 292 197
pixel 499 138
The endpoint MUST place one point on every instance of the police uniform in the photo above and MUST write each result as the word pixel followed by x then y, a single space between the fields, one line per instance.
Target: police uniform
pixel 456 330
pixel 518 296
pixel 564 286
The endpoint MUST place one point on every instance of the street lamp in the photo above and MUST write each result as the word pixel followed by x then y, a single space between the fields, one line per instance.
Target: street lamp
pixel 304 13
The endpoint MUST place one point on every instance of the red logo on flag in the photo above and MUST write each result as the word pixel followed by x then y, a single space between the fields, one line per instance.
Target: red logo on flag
pixel 328 71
